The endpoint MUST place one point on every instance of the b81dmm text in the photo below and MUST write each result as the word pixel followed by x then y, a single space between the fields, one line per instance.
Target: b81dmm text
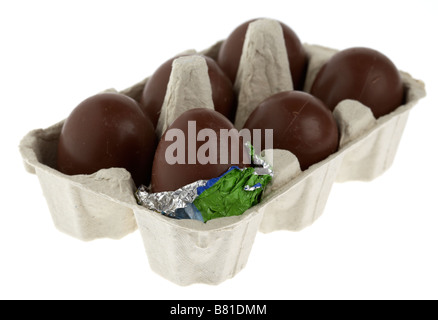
pixel 239 309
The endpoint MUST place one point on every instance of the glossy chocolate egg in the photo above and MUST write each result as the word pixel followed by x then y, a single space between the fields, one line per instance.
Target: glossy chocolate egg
pixel 361 74
pixel 155 89
pixel 301 124
pixel 191 149
pixel 231 50
pixel 104 131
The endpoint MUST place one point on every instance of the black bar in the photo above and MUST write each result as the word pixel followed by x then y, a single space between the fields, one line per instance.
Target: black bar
pixel 221 309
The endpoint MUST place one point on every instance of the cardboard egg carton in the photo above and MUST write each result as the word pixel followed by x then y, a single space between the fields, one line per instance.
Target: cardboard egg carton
pixel 100 205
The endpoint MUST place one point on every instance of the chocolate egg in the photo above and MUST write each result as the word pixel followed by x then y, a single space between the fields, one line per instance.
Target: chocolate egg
pixel 361 74
pixel 200 144
pixel 301 124
pixel 155 89
pixel 104 131
pixel 231 50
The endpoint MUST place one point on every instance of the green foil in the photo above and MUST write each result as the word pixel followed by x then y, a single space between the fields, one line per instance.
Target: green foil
pixel 229 195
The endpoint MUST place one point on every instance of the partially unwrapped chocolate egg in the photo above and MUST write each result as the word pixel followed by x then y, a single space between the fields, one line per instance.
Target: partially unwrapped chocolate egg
pixel 155 89
pixel 361 74
pixel 301 124
pixel 200 144
pixel 105 131
pixel 231 51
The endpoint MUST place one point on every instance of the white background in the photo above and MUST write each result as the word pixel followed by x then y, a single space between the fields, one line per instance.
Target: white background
pixel 375 240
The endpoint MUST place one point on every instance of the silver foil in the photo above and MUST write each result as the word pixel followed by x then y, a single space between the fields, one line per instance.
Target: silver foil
pixel 261 166
pixel 168 202
pixel 249 188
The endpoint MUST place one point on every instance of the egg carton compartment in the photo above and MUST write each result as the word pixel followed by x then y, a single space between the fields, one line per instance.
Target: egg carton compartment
pixel 100 205
pixel 86 207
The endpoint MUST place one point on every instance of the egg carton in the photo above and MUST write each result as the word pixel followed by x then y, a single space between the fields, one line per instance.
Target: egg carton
pixel 102 205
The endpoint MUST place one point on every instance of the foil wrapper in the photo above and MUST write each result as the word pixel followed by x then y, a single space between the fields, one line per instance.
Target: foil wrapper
pixel 254 187
pixel 168 202
pixel 179 204
pixel 261 167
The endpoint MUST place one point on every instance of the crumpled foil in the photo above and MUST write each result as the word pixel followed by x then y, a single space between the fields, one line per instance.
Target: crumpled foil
pixel 260 165
pixel 169 203
pixel 254 187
